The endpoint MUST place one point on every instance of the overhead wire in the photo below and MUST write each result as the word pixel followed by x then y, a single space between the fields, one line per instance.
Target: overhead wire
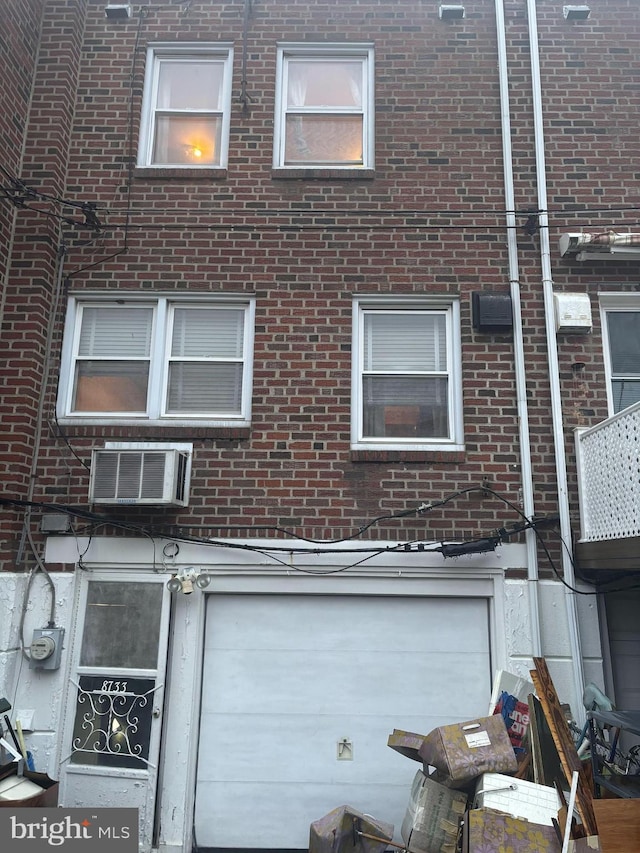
pixel 320 547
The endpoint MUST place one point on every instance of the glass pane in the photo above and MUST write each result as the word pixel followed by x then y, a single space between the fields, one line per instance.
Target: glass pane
pixel 208 332
pixel 626 392
pixel 324 140
pixel 111 386
pixel 209 388
pixel 405 407
pixel 190 85
pixel 112 727
pixel 187 140
pixel 123 332
pixel 405 342
pixel 318 83
pixel 122 625
pixel 624 341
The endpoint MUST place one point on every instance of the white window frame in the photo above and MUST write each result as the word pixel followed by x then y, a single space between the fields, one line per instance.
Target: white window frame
pixel 451 308
pixel 363 52
pixel 159 360
pixel 156 53
pixel 610 303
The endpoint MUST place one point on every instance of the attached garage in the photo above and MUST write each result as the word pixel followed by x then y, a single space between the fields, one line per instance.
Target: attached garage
pixel 300 693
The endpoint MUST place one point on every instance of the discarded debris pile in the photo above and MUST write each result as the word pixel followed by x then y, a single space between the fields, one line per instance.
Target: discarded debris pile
pixel 512 781
pixel 20 786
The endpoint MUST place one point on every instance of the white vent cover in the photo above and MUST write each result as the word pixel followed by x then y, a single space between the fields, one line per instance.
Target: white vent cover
pixel 140 473
pixel 573 312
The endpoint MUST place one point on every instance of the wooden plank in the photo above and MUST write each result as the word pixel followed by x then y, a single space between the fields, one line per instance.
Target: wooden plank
pixel 567 752
pixel 618 825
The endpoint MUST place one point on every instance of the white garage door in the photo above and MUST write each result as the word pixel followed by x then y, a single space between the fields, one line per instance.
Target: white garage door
pixel 287 678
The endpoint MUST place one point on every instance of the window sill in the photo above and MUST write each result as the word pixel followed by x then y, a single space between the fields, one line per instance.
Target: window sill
pixel 169 173
pixel 312 174
pixel 452 457
pixel 155 432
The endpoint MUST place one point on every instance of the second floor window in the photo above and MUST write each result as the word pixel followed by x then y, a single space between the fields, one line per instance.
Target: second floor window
pixel 324 107
pixel 157 360
pixel 187 100
pixel 407 381
pixel 621 333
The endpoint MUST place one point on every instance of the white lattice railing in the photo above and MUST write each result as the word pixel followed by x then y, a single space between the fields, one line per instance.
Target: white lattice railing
pixel 608 457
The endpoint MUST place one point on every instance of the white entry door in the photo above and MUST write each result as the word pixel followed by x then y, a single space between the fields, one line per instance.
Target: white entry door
pixel 300 694
pixel 114 708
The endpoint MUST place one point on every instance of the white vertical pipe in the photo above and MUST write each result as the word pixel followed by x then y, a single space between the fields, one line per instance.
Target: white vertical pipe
pixel 554 376
pixel 518 344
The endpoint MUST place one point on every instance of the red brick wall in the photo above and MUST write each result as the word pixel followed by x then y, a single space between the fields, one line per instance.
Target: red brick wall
pixel 430 221
pixel 19 30
pixel 31 270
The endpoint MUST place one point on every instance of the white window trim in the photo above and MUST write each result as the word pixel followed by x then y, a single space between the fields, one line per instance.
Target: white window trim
pixel 222 50
pixel 610 302
pixel 161 302
pixel 456 440
pixel 364 51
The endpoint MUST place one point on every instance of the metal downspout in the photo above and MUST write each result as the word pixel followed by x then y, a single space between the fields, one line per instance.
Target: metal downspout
pixel 554 376
pixel 518 345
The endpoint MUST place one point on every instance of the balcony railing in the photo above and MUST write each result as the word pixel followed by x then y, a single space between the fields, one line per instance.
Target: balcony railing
pixel 608 457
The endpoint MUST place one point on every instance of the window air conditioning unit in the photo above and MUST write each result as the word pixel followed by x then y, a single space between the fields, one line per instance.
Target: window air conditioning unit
pixel 141 473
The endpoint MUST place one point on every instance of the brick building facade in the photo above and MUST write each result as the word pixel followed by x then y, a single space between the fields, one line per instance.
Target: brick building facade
pixel 362 198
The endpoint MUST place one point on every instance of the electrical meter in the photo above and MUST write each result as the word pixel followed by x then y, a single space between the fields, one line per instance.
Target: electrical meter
pixel 45 651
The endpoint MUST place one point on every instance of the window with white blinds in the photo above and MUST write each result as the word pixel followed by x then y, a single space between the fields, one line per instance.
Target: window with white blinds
pixel 159 359
pixel 406 376
pixel 621 332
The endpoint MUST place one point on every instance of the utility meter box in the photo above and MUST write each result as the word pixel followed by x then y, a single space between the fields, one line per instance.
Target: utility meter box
pixel 573 312
pixel 45 651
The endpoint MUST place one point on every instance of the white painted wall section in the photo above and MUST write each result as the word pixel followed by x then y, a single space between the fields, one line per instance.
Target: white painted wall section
pixel 40 691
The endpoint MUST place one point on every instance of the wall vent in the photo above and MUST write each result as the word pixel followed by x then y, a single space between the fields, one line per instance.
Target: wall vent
pixel 141 473
pixel 492 312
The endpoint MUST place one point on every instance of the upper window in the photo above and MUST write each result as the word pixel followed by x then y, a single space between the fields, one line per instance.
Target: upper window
pixel 324 107
pixel 187 101
pixel 621 333
pixel 406 382
pixel 158 360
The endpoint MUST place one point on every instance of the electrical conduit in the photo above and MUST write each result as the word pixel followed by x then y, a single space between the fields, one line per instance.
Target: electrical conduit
pixel 518 345
pixel 554 377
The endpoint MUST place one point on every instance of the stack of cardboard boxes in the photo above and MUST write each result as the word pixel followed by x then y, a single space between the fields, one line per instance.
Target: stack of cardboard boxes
pixel 478 789
pixel 464 797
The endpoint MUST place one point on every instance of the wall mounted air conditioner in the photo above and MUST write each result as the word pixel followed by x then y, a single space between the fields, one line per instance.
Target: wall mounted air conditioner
pixel 141 473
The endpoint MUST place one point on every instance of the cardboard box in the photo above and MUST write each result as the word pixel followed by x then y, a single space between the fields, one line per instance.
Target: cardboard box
pixel 434 815
pixel 488 831
pixel 590 844
pixel 337 832
pixel 406 743
pixel 463 751
pixel 517 797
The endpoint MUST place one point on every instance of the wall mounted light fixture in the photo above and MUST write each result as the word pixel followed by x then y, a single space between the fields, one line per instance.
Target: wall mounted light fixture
pixel 116 11
pixel 576 13
pixel 185 580
pixel 450 13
